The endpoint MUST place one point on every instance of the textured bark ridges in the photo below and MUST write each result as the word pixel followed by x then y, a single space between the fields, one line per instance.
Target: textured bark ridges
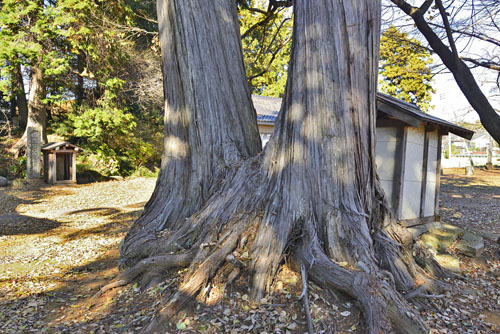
pixel 313 193
pixel 210 124
pixel 37 112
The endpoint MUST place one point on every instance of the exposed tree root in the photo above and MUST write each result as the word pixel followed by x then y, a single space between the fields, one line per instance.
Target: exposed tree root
pixel 380 302
pixel 19 147
pixel 230 220
pixel 155 264
pixel 189 289
pixel 305 297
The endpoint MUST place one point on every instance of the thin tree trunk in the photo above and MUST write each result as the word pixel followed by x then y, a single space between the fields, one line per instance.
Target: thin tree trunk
pixel 20 93
pixel 489 118
pixel 79 84
pixel 13 106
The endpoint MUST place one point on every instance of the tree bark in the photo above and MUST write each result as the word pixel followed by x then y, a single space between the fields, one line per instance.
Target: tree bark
pixel 37 112
pixel 210 123
pixel 79 85
pixel 489 118
pixel 313 192
pixel 20 94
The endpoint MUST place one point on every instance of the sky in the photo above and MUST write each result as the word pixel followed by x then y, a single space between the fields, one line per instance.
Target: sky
pixel 449 101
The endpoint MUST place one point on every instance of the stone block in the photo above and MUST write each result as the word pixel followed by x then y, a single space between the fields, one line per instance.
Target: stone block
pixel 3 182
pixel 441 236
pixel 448 261
pixel 33 151
pixel 19 183
pixel 470 244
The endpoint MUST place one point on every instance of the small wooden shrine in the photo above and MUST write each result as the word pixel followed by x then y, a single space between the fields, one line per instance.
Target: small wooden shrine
pixel 59 162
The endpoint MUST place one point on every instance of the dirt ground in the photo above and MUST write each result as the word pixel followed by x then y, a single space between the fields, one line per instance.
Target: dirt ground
pixel 59 245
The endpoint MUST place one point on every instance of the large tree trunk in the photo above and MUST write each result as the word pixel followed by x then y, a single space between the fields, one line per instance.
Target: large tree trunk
pixel 313 193
pixel 210 124
pixel 37 112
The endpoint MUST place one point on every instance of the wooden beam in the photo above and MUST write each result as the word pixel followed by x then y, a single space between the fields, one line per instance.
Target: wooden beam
pixel 420 221
pixel 402 116
pixel 390 123
pixel 399 170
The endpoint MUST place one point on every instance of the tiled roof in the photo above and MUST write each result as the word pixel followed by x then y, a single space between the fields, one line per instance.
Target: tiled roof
pixel 414 111
pixel 267 109
pixel 267 118
pixel 60 144
pixel 266 105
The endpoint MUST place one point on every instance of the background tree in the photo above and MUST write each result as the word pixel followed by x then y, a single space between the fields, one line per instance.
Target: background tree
pixel 404 70
pixel 37 35
pixel 441 23
pixel 312 194
pixel 86 64
pixel 266 33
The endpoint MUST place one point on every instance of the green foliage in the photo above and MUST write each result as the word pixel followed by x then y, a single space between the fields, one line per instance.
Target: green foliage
pixel 404 68
pixel 41 33
pixel 18 168
pixel 107 130
pixel 266 45
pixel 88 52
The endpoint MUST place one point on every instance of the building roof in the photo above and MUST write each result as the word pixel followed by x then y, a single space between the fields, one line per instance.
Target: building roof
pixel 60 145
pixel 411 115
pixel 268 107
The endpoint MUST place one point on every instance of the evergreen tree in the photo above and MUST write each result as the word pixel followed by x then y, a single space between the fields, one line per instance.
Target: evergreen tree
pixel 404 68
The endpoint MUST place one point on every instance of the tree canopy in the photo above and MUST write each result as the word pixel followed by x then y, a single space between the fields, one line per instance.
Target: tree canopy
pixel 444 25
pixel 266 34
pixel 405 68
pixel 91 61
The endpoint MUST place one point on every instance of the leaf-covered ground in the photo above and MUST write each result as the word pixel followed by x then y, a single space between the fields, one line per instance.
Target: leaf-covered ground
pixel 59 245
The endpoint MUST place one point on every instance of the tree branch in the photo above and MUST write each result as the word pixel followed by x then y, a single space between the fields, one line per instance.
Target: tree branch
pixel 425 7
pixel 266 19
pixel 470 34
pixel 486 64
pixel 449 33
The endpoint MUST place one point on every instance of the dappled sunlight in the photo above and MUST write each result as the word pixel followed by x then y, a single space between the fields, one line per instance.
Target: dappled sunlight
pixel 175 147
pixel 52 274
pixel 296 112
pixel 462 198
pixel 175 117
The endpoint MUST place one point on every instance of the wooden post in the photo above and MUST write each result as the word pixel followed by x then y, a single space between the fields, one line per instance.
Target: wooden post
pixel 52 168
pixel 438 175
pixel 73 166
pixel 399 171
pixel 425 163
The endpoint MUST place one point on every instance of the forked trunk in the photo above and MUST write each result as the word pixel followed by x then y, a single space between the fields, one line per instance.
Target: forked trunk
pixel 313 191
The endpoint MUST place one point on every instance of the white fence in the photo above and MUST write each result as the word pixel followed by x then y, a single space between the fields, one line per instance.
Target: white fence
pixel 463 161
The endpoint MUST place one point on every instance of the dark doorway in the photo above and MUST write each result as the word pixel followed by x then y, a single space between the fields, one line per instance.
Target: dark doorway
pixel 63 166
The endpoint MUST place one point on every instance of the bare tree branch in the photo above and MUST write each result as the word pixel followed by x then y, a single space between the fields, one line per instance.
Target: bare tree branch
pixel 449 33
pixel 486 64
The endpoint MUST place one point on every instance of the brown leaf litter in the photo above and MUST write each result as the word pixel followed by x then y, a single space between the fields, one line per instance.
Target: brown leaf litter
pixel 59 245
